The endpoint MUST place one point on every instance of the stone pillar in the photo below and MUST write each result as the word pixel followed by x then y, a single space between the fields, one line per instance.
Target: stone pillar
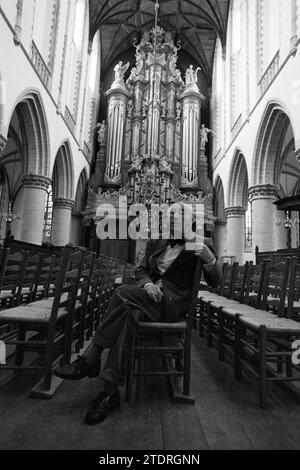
pixel 34 202
pixel 62 211
pixel 76 232
pixel 236 232
pixel 264 215
pixel 220 238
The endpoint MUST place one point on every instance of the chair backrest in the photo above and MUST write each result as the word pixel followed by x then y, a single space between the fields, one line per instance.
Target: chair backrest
pixel 275 287
pixel 46 275
pixel 255 284
pixel 194 297
pixel 12 272
pixel 228 280
pixel 240 280
pixel 32 274
pixel 293 309
pixel 84 284
pixel 66 285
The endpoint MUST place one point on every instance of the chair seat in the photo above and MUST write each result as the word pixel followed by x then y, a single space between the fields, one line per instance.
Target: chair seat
pixel 162 326
pixel 26 314
pixel 47 303
pixel 273 324
pixel 223 302
pixel 6 294
pixel 208 295
pixel 248 311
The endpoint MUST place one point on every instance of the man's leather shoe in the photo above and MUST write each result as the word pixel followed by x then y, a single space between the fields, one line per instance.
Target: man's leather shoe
pixel 78 370
pixel 104 403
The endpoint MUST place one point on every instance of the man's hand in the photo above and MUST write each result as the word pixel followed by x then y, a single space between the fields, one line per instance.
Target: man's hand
pixel 154 292
pixel 204 253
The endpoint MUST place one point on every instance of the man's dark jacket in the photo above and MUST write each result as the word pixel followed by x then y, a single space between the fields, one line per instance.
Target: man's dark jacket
pixel 177 281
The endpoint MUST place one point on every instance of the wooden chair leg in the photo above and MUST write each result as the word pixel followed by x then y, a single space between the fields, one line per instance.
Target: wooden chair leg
pixel 201 320
pixel 262 367
pixel 279 362
pixel 19 357
pixel 221 350
pixel 48 366
pixel 131 369
pixel 209 327
pixel 237 349
pixel 187 371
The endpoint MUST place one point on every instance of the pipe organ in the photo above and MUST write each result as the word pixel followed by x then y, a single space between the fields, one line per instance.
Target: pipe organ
pixel 155 112
pixel 152 144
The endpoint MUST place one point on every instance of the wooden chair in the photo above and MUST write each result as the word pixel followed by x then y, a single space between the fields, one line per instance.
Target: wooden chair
pixel 51 325
pixel 263 339
pixel 12 272
pixel 176 358
pixel 93 301
pixel 31 278
pixel 46 277
pixel 293 307
pixel 228 286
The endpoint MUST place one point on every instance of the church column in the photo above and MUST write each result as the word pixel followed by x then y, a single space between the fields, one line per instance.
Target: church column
pixel 76 232
pixel 264 214
pixel 62 211
pixel 220 237
pixel 34 202
pixel 236 232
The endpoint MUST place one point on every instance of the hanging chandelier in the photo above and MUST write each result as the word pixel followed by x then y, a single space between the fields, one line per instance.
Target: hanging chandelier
pixel 288 223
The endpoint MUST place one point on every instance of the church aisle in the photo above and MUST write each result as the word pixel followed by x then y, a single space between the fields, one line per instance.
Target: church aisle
pixel 225 416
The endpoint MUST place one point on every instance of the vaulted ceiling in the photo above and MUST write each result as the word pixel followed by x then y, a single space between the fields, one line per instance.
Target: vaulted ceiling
pixel 196 23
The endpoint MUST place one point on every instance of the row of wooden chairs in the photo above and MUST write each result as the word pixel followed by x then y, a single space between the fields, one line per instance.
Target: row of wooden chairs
pixel 55 303
pixel 253 319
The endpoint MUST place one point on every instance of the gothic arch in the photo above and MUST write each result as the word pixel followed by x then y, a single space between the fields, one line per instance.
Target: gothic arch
pixel 81 192
pixel 238 182
pixel 30 110
pixel 267 155
pixel 63 173
pixel 219 199
pixel 2 92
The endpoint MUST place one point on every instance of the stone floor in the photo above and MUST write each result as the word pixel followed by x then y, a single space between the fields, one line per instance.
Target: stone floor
pixel 226 415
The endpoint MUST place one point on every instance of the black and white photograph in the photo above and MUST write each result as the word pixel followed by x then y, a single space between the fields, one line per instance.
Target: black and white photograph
pixel 149 228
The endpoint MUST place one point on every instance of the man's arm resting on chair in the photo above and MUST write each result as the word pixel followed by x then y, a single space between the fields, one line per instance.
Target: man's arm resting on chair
pixel 142 276
pixel 212 272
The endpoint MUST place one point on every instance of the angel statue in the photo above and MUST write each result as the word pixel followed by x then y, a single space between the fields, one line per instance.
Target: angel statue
pixel 204 131
pixel 191 76
pixel 120 71
pixel 101 132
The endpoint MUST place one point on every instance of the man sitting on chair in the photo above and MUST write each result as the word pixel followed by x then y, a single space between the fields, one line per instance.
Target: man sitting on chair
pixel 164 281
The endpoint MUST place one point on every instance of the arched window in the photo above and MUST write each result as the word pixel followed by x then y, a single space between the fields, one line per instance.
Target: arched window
pixel 236 61
pixel 268 32
pixel 92 88
pixel 48 218
pixel 45 28
pixel 76 57
pixel 217 96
